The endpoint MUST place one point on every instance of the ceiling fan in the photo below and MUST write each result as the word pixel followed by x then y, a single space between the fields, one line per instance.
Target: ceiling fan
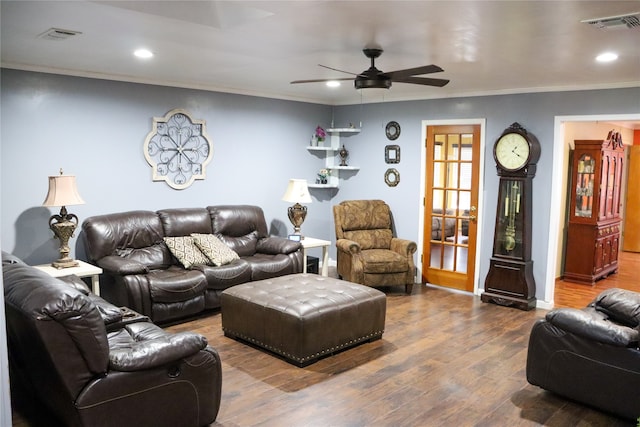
pixel 376 79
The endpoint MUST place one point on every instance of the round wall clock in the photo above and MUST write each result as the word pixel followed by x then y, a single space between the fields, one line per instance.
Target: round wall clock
pixel 178 149
pixel 392 130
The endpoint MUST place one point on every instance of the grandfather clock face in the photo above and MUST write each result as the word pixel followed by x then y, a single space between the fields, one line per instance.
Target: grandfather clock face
pixel 508 240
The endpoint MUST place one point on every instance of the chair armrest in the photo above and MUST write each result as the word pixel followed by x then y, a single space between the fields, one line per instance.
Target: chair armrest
pixel 403 246
pixel 156 352
pixel 119 266
pixel 348 246
pixel 277 245
pixel 590 326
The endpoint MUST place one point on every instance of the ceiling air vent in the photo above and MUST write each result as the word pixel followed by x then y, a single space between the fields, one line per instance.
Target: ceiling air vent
pixel 630 20
pixel 58 34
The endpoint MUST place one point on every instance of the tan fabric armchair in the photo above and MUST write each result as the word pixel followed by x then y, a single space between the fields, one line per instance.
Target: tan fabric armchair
pixel 368 253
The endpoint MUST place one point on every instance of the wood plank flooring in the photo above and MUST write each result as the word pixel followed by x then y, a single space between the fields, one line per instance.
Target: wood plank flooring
pixel 576 295
pixel 445 359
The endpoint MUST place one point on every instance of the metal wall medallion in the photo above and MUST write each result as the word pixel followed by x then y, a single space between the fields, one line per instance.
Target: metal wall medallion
pixel 392 177
pixel 392 130
pixel 178 149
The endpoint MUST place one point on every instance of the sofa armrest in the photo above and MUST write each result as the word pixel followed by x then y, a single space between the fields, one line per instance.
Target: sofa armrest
pixel 403 246
pixel 590 326
pixel 155 352
pixel 119 266
pixel 348 246
pixel 277 245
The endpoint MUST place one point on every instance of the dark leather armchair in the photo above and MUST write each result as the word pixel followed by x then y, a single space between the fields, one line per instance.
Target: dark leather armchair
pixel 89 363
pixel 368 252
pixel 591 355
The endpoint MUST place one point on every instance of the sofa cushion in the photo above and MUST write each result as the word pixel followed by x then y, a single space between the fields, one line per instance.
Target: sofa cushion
pixel 380 261
pixel 243 245
pixel 175 284
pixel 620 305
pixel 217 252
pixel 186 251
pixel 184 221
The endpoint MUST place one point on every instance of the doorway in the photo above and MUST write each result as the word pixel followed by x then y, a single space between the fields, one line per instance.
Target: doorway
pixel 451 162
pixel 558 189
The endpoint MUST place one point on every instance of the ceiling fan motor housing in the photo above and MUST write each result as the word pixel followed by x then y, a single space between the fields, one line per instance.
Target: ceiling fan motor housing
pixel 379 82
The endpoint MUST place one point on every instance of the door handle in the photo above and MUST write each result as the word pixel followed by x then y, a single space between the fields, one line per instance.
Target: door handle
pixel 472 217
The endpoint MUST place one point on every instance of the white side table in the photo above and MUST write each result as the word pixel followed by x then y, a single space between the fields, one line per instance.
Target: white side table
pixel 310 242
pixel 84 269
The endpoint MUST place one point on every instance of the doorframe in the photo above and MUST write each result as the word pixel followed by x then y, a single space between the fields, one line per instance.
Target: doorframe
pixel 557 189
pixel 423 171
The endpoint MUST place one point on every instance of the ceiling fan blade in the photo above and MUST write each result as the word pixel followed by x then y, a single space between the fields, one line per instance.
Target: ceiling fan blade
pixel 423 81
pixel 335 69
pixel 426 69
pixel 320 80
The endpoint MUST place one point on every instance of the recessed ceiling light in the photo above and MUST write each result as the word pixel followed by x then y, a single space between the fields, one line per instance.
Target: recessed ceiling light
pixel 143 53
pixel 333 83
pixel 607 57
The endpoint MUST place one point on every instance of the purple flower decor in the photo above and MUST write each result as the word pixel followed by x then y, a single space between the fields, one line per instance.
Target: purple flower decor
pixel 320 133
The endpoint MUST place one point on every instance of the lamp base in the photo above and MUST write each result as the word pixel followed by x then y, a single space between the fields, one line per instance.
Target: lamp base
pixel 63 226
pixel 297 214
pixel 65 263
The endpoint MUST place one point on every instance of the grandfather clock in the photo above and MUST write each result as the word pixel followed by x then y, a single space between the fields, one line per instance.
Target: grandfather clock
pixel 510 279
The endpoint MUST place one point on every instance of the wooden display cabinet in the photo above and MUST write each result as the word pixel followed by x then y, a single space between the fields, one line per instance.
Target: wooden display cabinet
pixel 594 213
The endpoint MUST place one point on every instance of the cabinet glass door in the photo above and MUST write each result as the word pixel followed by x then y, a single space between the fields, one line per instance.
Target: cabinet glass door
pixel 584 186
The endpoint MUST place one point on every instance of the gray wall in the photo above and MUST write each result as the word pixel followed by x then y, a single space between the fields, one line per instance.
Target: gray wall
pixel 95 129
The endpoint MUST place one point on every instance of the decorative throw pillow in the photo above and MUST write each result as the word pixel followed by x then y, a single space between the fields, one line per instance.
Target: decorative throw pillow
pixel 214 249
pixel 186 251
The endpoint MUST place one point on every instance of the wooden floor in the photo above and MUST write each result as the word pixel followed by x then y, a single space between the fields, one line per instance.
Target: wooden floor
pixel 445 359
pixel 576 295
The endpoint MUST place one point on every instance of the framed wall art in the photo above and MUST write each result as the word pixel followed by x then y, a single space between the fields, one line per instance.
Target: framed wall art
pixel 178 149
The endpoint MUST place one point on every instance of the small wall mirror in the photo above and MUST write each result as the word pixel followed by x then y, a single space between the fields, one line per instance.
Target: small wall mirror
pixel 392 154
pixel 392 177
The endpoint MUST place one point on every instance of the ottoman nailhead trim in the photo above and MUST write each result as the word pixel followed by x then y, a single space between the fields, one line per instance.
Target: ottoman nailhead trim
pixel 306 358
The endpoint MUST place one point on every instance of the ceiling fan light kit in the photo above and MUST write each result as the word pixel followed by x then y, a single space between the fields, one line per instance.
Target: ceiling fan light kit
pixel 373 78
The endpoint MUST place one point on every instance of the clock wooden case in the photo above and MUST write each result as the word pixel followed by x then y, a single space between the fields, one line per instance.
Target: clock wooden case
pixel 593 233
pixel 510 281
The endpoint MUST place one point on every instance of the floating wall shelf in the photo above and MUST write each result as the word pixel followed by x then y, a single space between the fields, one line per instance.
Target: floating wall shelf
pixel 330 156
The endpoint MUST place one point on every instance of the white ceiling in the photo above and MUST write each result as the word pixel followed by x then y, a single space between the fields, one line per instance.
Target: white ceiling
pixel 258 47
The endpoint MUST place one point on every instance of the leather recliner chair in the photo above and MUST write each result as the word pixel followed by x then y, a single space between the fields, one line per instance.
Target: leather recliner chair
pixel 591 355
pixel 368 252
pixel 89 363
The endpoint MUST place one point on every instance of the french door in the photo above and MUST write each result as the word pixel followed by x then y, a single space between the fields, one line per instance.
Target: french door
pixel 451 201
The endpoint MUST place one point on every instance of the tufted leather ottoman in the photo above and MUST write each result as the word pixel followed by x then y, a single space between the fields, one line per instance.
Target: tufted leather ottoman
pixel 303 317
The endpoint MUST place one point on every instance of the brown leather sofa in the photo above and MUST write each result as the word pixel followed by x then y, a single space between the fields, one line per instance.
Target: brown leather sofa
pixel 76 360
pixel 140 272
pixel 591 355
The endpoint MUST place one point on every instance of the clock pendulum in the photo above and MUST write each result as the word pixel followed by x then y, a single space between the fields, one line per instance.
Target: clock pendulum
pixel 510 281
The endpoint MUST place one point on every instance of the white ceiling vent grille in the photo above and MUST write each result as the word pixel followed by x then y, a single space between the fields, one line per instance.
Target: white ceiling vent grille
pixel 630 21
pixel 58 34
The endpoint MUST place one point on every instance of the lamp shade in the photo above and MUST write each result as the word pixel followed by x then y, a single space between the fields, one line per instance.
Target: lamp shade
pixel 297 192
pixel 62 191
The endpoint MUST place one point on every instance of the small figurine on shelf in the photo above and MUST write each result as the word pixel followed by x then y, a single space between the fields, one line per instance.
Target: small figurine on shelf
pixel 323 176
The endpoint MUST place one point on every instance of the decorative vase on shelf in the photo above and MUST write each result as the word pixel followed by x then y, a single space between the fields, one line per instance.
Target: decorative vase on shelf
pixel 314 141
pixel 344 153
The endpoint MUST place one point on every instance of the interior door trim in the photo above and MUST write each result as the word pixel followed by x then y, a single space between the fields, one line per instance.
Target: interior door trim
pixel 482 247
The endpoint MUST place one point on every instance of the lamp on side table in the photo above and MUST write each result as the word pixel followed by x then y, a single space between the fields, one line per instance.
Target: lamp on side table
pixel 63 192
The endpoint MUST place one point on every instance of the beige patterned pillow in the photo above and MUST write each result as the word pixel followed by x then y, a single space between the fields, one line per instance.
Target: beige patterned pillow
pixel 217 252
pixel 186 251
